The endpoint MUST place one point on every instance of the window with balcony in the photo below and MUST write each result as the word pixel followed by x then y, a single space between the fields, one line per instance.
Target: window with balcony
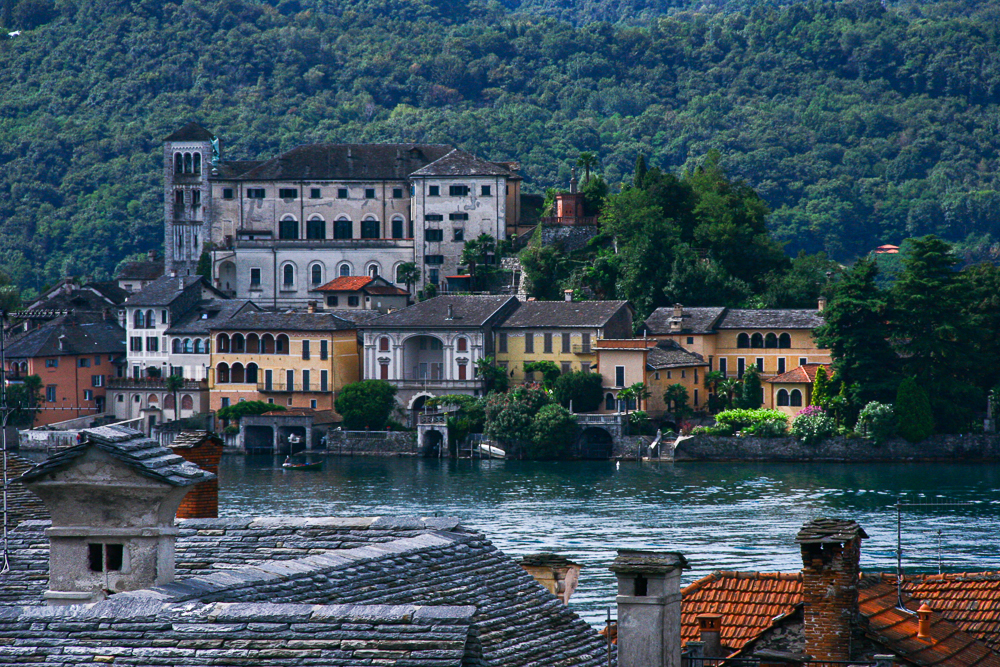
pixel 316 229
pixel 288 229
pixel 369 229
pixel 397 228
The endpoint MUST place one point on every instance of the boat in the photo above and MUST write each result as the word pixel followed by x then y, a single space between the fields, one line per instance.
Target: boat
pixel 314 465
pixel 491 451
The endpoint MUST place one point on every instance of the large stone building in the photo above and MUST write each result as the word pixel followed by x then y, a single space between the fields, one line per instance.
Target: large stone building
pixel 284 226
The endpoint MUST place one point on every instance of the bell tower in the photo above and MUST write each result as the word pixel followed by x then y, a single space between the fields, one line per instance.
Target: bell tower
pixel 187 160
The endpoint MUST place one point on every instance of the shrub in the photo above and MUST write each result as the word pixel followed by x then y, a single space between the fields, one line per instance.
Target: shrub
pixel 913 411
pixel 769 428
pixel 813 425
pixel 877 422
pixel 722 430
pixel 639 423
pixel 743 419
pixel 584 389
pixel 553 431
pixel 366 404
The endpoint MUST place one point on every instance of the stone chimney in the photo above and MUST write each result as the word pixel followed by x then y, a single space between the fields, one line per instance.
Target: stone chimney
pixel 112 500
pixel 649 608
pixel 710 626
pixel 556 573
pixel 567 295
pixel 831 555
pixel 310 306
pixel 678 310
pixel 204 449
pixel 451 312
pixel 821 304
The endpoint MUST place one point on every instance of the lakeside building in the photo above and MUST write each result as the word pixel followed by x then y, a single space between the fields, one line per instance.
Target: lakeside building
pixel 283 226
pixel 362 293
pixel 668 364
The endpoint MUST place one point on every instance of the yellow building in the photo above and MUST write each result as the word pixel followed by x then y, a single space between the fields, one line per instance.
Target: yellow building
pixel 792 391
pixel 299 360
pixel 563 332
pixel 668 364
pixel 730 340
pixel 622 363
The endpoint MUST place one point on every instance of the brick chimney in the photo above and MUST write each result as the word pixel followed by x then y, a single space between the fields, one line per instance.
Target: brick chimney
pixel 710 627
pixel 831 555
pixel 203 449
pixel 649 608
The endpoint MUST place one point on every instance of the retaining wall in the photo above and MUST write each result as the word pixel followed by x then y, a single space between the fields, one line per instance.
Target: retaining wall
pixel 378 443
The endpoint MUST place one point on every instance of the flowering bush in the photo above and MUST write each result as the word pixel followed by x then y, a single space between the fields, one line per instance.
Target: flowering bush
pixel 812 425
pixel 877 422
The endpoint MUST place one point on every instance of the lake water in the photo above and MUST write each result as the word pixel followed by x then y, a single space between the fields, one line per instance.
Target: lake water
pixel 721 516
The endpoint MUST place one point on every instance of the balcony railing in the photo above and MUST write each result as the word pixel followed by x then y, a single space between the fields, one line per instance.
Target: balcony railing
pixel 324 243
pixel 579 348
pixel 153 383
pixel 282 388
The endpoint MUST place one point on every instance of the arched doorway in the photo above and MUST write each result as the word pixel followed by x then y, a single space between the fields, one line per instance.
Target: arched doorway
pixel 431 445
pixel 596 443
pixel 227 277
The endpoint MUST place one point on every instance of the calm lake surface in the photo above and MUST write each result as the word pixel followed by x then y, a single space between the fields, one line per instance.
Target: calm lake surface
pixel 722 516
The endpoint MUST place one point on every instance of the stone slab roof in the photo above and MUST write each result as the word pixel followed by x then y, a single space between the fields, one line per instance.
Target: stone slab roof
pixel 80 333
pixel 208 313
pixel 132 448
pixel 829 531
pixel 192 438
pixel 230 169
pixel 347 162
pixel 149 633
pixel 804 374
pixel 693 320
pixel 356 315
pixel 260 320
pixel 770 319
pixel 165 290
pixel 22 504
pixel 668 354
pixel 190 132
pixel 467 311
pixel 147 269
pixel 563 314
pixel 461 163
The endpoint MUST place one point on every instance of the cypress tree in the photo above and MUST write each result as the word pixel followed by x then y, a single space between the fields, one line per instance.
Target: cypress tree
pixel 639 179
pixel 750 390
pixel 913 411
pixel 820 388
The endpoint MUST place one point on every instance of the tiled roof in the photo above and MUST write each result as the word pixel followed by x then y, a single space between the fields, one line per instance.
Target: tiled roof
pixel 624 344
pixel 190 439
pixel 215 312
pixel 80 333
pixel 149 269
pixel 385 290
pixel 804 374
pixel 970 600
pixel 461 163
pixel 668 354
pixel 260 320
pixel 770 319
pixel 693 320
pixel 467 311
pixel 150 632
pixel 748 602
pixel 130 447
pixel 357 162
pixel 897 629
pixel 166 289
pixel 22 504
pixel 562 314
pixel 233 168
pixel 345 284
pixel 190 132
pixel 356 315
pixel 829 531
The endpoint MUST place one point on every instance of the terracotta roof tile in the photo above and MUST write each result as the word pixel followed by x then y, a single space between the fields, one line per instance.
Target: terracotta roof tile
pixel 345 284
pixel 970 600
pixel 804 374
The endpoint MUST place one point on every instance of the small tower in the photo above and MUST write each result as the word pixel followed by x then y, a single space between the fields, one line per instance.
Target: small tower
pixel 649 608
pixel 187 161
pixel 112 500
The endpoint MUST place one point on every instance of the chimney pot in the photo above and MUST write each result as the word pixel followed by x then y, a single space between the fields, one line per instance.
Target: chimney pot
pixel 311 307
pixel 568 294
pixel 924 621
pixel 821 304
pixel 678 310
pixel 710 626
pixel 451 312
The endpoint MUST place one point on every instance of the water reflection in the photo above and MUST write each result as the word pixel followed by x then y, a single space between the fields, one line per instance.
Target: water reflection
pixel 732 516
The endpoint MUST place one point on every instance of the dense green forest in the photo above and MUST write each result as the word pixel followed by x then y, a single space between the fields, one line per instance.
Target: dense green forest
pixel 857 125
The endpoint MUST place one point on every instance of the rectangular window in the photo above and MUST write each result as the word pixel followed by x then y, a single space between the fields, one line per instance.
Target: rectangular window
pixel 433 191
pixel 305 349
pixel 565 367
pixel 485 191
pixel 397 193
pixel 227 193
pixel 343 229
pixel 690 340
pixel 134 345
pixel 547 343
pixel 255 193
pixel 656 375
pixel 324 350
pixel 312 404
pixel 83 362
pixel 341 193
pixel 106 557
pixel 458 190
pixel 760 364
pixel 670 375
pixel 502 343
pixel 459 235
pixel 529 342
pixel 696 398
pixel 803 361
pixel 433 217
pixel 324 381
pixel 254 277
pixel 462 370
pixel 353 301
pixel 741 367
pixel 54 363
pixel 458 216
pixel 684 375
pixel 315 193
pixel 178 198
pixel 268 380
pixel 288 193
pixel 196 199
pixel 619 376
pixel 722 367
pixel 50 393
pixel 369 193
pixel 585 366
pixel 88 394
pixel 585 347
pixel 225 401
pixel 332 301
pixel 529 376
pixel 434 259
pixel 97 360
pixel 433 276
pixel 397 228
pixel 152 344
pixel 565 343
pixel 434 235
pixel 305 380
pixel 290 380
pixel 96 380
pixel 383 371
pixel 781 365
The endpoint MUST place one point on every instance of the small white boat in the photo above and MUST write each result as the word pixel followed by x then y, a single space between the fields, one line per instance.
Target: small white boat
pixel 491 451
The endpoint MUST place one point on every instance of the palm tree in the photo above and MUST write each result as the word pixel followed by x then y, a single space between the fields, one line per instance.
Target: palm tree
pixel 174 384
pixel 409 274
pixel 727 388
pixel 587 161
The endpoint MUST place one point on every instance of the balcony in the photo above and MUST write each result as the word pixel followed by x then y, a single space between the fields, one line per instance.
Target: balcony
pixel 154 383
pixel 313 244
pixel 282 388
pixel 579 348
pixel 414 382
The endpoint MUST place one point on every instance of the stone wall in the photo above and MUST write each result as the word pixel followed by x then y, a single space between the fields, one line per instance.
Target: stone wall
pixel 937 448
pixel 628 446
pixel 378 443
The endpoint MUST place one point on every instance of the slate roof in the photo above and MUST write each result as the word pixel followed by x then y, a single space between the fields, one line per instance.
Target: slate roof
pixel 94 296
pixel 359 162
pixel 562 314
pixel 165 290
pixel 461 163
pixel 356 315
pixel 709 320
pixel 229 169
pixel 829 531
pixel 467 310
pixel 147 269
pixel 260 320
pixel 216 311
pixel 694 320
pixel 190 132
pixel 276 635
pixel 193 438
pixel 81 333
pixel 668 354
pixel 804 374
pixel 130 447
pixel 22 504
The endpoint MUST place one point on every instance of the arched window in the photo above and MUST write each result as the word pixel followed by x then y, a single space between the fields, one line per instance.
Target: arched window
pixel 267 344
pixel 462 344
pixel 175 346
pixel 757 340
pixel 188 167
pixel 252 373
pixel 222 343
pixel 784 341
pixel 188 346
pixel 197 163
pixel 237 374
pixel 222 373
pixel 343 229
pixel 400 280
pixel 150 319
pixel 373 270
pixel 397 227
pixel 369 228
pixel 782 397
pixel 187 403
pixel 383 344
pixel 316 228
pixel 609 402
pixel 288 228
pixel 153 398
pixel 770 341
pixel 239 343
pixel 796 398
pixel 178 163
pixel 139 319
pixel 253 343
pixel 288 277
pixel 168 402
pixel 197 346
pixel 281 344
pixel 743 340
pixel 345 270
pixel 316 273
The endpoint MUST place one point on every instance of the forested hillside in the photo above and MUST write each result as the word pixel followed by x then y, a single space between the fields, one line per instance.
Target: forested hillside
pixel 857 125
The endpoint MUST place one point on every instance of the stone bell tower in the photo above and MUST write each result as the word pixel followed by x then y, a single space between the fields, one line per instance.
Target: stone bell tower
pixel 187 163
